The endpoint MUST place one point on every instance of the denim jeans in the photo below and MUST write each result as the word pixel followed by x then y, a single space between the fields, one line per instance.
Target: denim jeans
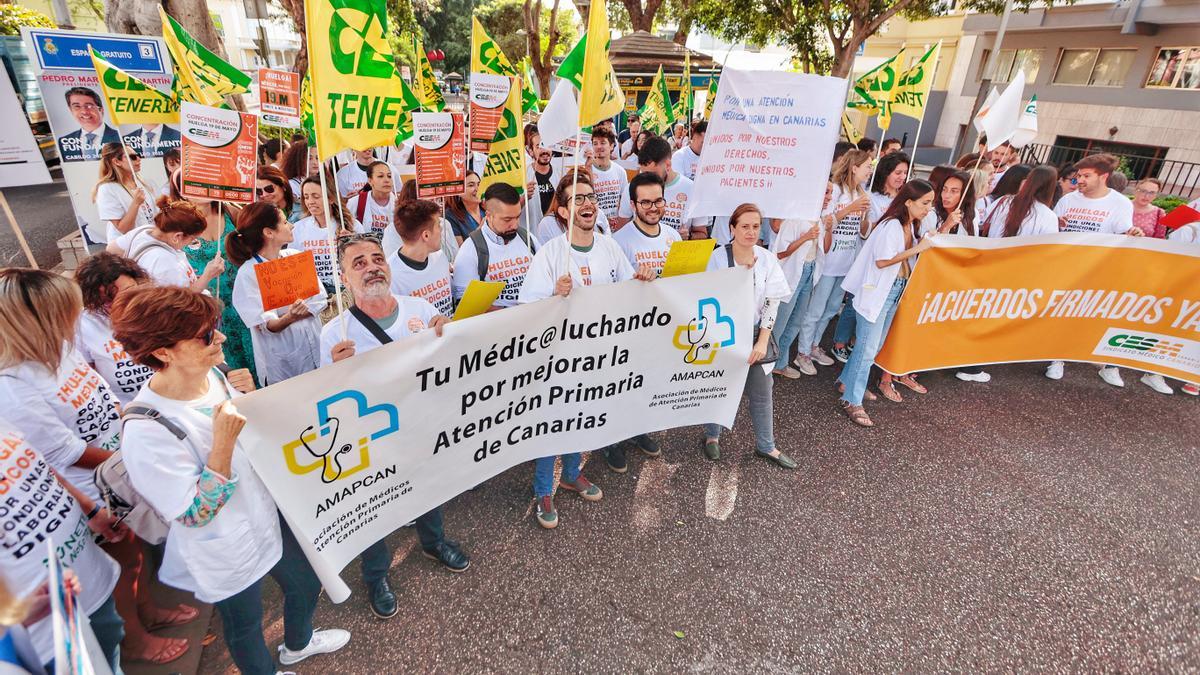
pixel 843 332
pixel 791 313
pixel 870 340
pixel 376 560
pixel 822 305
pixel 543 472
pixel 758 388
pixel 242 614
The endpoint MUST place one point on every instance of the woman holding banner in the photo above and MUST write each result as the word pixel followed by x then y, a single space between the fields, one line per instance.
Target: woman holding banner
pixel 122 200
pixel 225 533
pixel 287 340
pixel 877 280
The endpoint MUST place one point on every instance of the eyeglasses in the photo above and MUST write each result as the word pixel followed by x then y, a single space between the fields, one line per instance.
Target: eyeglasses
pixel 84 106
pixel 1074 181
pixel 652 203
pixel 133 157
pixel 265 190
pixel 580 199
pixel 1143 191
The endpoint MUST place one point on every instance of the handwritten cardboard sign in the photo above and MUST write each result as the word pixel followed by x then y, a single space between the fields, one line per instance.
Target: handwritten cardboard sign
pixel 287 279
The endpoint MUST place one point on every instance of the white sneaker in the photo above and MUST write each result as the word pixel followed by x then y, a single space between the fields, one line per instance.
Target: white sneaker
pixel 974 377
pixel 322 642
pixel 789 372
pixel 1112 375
pixel 821 357
pixel 1054 371
pixel 805 365
pixel 1157 383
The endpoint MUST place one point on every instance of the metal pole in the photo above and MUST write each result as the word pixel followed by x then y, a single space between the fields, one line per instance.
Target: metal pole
pixel 986 82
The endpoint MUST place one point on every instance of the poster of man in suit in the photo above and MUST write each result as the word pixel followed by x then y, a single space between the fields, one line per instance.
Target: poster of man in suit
pixel 87 109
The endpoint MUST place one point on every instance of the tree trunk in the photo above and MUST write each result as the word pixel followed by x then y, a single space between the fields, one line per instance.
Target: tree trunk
pixel 843 58
pixel 641 18
pixel 295 9
pixel 681 33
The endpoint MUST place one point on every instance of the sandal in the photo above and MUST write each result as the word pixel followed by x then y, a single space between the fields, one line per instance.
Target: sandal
pixel 175 616
pixel 857 414
pixel 910 381
pixel 889 392
pixel 170 649
pixel 867 395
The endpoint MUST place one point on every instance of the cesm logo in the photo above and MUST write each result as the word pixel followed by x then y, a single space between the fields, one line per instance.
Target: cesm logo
pixel 701 337
pixel 1146 344
pixel 1145 347
pixel 317 447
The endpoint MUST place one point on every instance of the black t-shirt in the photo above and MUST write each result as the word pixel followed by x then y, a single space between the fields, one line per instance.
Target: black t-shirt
pixel 545 188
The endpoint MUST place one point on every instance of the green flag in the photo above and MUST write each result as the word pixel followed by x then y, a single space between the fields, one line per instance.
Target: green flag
pixel 657 114
pixel 712 97
pixel 203 77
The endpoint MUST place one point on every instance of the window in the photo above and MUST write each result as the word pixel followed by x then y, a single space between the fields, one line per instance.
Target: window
pixel 1094 67
pixel 1176 68
pixel 1010 60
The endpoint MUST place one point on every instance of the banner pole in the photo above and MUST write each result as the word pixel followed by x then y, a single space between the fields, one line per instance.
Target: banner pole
pixel 17 231
pixel 571 207
pixel 329 232
pixel 524 175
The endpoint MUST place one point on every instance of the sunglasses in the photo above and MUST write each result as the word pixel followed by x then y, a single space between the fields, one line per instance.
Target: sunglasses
pixel 133 157
pixel 268 190
pixel 208 336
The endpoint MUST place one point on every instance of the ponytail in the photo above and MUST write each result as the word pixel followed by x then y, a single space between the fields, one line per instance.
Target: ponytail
pixel 247 240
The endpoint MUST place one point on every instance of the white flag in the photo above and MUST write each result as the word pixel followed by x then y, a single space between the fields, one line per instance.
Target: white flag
pixel 1027 126
pixel 560 119
pixel 1000 119
pixel 987 103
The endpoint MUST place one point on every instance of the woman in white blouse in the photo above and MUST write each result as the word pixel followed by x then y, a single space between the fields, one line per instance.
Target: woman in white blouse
pixel 122 199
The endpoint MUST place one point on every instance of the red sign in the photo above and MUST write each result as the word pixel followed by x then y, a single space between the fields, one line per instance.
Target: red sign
pixel 220 153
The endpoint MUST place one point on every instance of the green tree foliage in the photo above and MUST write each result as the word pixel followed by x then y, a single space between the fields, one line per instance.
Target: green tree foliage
pixel 13 17
pixel 505 22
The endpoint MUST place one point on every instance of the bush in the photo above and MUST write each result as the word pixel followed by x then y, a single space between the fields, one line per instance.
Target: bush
pixel 13 17
pixel 1168 202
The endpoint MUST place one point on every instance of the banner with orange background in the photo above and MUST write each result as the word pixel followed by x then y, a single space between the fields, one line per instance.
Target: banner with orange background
pixel 1069 297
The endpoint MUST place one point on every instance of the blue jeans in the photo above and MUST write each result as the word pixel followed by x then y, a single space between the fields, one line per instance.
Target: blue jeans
pixel 543 472
pixel 787 324
pixel 822 305
pixel 376 560
pixel 758 389
pixel 242 614
pixel 870 340
pixel 844 330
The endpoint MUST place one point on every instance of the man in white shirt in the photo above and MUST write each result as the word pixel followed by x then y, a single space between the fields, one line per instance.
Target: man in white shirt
pixel 655 157
pixel 375 318
pixel 686 159
pixel 644 241
pixel 498 250
pixel 352 177
pixel 630 134
pixel 1003 158
pixel 608 179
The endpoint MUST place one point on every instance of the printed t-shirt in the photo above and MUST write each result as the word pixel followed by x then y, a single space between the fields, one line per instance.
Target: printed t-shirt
pixel 603 263
pixel 350 179
pixel 847 235
pixel 545 187
pixel 548 227
pixel 95 342
pixel 411 311
pixel 507 262
pixel 640 247
pixel 684 161
pixel 308 235
pixel 1110 214
pixel 293 350
pixel 609 184
pixel 376 218
pixel 769 280
pixel 429 280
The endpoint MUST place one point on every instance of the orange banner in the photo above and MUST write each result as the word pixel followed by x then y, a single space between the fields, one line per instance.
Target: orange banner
pixel 220 153
pixel 441 154
pixel 279 97
pixel 285 280
pixel 1066 297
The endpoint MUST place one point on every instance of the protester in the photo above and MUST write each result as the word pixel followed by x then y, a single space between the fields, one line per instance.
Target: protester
pixel 1028 212
pixel 272 187
pixel 687 159
pixel 678 136
pixel 226 533
pixel 770 289
pixel 645 241
pixel 1117 181
pixel 100 278
pixel 608 179
pixel 840 148
pixel 270 152
pixel 499 250
pixel 312 234
pixel 553 225
pixel 419 267
pixel 1067 180
pixel 629 139
pixel 391 236
pixel 378 317
pixel 1007 186
pixel 122 200
pixel 352 177
pixel 981 171
pixel 887 179
pixel 890 145
pixel 1146 216
pixel 172 162
pixel 299 163
pixel 542 174
pixel 1003 158
pixel 797 244
pixel 877 280
pixel 159 249
pixel 286 340
pixel 655 157
pixel 375 204
pixel 465 212
pixel 867 145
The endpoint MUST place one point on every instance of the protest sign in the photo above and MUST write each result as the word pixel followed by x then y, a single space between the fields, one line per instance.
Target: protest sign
pixel 986 301
pixel 688 257
pixel 279 97
pixel 287 279
pixel 441 154
pixel 770 143
pixel 478 298
pixel 488 94
pixel 220 159
pixel 354 450
pixel 21 162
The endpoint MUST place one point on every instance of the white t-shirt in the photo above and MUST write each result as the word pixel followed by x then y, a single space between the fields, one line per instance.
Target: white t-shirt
pixel 350 179
pixel 507 262
pixel 410 311
pixel 430 281
pixel 610 184
pixel 677 193
pixel 95 342
pixel 870 284
pixel 548 227
pixel 376 218
pixel 1110 214
pixel 603 263
pixel 62 413
pixel 293 351
pixel 1039 220
pixel 166 265
pixel 308 235
pixel 1188 234
pixel 846 239
pixel 684 161
pixel 640 247
pixel 769 280
pixel 793 266
pixel 48 513
pixel 113 201
pixel 242 542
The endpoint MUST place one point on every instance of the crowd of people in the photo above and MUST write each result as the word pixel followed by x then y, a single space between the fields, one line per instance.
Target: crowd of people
pixel 134 365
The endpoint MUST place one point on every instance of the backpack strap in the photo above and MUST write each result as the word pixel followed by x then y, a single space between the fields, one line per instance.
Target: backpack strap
pixel 729 255
pixel 371 325
pixel 137 253
pixel 481 251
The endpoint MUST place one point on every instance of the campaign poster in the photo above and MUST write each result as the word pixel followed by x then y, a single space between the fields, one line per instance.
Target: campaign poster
pixel 441 154
pixel 488 94
pixel 279 97
pixel 78 115
pixel 220 159
pixel 21 162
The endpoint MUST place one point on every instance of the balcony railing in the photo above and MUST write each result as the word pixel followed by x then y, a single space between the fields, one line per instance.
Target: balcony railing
pixel 1179 178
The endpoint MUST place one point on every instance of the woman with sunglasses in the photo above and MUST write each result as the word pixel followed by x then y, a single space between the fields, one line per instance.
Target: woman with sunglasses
pixel 1146 216
pixel 287 339
pixel 225 532
pixel 122 199
pixel 271 187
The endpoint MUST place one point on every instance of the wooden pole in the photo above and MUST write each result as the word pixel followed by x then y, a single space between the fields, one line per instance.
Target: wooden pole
pixel 17 231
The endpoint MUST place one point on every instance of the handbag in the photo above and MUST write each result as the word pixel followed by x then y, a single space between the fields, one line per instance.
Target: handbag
pixel 772 354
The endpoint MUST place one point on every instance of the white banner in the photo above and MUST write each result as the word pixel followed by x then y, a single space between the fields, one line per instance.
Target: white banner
pixel 769 142
pixel 21 162
pixel 354 450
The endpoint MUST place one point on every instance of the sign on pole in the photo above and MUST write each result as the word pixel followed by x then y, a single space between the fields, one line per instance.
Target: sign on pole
pixel 488 94
pixel 441 154
pixel 220 159
pixel 279 97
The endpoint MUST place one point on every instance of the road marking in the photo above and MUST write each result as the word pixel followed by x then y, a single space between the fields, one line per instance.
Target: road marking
pixel 721 496
pixel 651 488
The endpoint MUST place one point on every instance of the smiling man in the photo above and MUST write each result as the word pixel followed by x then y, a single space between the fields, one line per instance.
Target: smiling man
pixel 88 111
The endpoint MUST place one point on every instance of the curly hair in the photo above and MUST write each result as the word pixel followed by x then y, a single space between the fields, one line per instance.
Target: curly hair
pixel 97 274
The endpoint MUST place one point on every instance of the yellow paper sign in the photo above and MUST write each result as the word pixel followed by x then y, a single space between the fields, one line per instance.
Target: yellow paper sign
pixel 688 257
pixel 478 298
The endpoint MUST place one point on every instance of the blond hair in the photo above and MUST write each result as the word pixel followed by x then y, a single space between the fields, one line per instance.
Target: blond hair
pixel 112 155
pixel 38 311
pixel 843 171
pixel 13 609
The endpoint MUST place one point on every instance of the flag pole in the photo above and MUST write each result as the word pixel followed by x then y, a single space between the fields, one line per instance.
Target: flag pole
pixel 17 231
pixel 571 207
pixel 329 233
pixel 516 81
pixel 924 108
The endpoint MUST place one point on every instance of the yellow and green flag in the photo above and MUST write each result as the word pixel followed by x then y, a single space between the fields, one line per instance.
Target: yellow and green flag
pixel 683 107
pixel 657 114
pixel 600 96
pixel 872 93
pixel 307 122
pixel 912 87
pixel 404 129
pixel 131 101
pixel 487 57
pixel 851 131
pixel 506 155
pixel 201 76
pixel 712 97
pixel 428 90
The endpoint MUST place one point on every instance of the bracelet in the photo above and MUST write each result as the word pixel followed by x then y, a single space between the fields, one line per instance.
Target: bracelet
pixel 95 510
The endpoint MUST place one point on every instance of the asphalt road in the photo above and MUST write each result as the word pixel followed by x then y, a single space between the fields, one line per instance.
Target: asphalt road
pixel 45 215
pixel 1021 525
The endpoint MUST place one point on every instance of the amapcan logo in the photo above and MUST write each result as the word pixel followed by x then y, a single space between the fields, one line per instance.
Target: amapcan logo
pixel 318 448
pixel 701 337
pixel 1167 350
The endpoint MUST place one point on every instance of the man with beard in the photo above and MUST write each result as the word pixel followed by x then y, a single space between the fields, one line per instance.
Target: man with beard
pixel 498 250
pixel 376 318
pixel 644 240
pixel 595 259
pixel 543 173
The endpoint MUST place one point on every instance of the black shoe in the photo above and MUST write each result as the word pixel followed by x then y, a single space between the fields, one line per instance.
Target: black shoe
pixel 383 600
pixel 449 555
pixel 647 445
pixel 614 455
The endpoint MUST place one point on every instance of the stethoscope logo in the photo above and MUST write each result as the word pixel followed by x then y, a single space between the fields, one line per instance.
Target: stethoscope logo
pixel 331 462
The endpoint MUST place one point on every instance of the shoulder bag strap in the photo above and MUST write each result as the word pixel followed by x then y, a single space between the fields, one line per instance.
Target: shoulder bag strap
pixel 729 255
pixel 371 325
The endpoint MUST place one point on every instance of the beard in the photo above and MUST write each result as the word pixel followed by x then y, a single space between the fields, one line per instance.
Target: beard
pixel 375 285
pixel 507 236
